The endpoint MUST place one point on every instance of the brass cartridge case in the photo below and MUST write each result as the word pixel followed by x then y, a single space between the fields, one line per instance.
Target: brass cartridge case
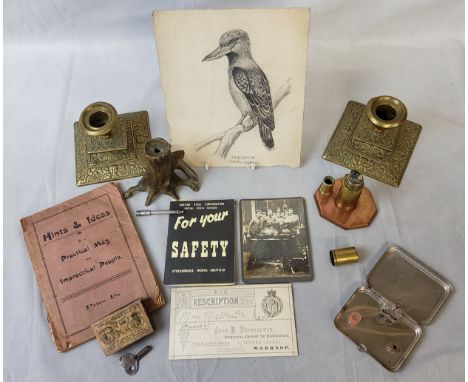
pixel 350 191
pixel 344 256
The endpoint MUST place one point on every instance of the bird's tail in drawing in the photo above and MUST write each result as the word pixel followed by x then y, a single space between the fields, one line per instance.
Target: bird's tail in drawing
pixel 266 135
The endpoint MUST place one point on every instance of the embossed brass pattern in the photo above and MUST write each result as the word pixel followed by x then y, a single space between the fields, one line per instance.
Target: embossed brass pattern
pixel 109 146
pixel 350 205
pixel 374 139
pixel 344 256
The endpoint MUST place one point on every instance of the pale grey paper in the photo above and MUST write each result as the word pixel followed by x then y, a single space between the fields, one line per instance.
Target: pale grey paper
pixel 62 55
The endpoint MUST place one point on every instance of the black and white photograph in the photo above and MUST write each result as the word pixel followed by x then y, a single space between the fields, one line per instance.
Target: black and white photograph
pixel 275 240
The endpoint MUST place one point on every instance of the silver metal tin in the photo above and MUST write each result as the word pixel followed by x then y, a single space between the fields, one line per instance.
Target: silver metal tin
pixel 384 318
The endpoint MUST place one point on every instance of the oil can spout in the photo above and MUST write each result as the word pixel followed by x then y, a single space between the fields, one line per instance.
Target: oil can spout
pixel 326 188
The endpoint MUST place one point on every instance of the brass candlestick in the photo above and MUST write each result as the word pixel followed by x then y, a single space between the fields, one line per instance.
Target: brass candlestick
pixel 109 146
pixel 375 139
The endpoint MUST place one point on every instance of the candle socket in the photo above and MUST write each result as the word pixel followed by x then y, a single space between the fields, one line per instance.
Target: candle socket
pixel 109 146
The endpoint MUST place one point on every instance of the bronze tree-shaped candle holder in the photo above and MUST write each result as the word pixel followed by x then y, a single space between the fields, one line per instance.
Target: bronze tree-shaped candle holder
pixel 165 171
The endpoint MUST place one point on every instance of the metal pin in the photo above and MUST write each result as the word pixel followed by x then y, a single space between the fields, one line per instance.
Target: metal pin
pixel 160 212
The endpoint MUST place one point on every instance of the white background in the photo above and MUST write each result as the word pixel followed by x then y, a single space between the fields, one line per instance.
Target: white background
pixel 59 56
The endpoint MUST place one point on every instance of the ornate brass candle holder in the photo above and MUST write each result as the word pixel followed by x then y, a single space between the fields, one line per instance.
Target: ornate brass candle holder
pixel 346 202
pixel 374 139
pixel 109 146
pixel 165 171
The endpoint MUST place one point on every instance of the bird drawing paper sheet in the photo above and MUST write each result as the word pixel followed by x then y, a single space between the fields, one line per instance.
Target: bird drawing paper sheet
pixel 234 82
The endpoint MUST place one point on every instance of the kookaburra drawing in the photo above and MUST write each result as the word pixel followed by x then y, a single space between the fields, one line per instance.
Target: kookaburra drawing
pixel 248 83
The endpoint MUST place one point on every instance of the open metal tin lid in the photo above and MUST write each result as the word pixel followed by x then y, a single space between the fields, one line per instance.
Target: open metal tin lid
pixel 384 319
pixel 409 284
pixel 387 335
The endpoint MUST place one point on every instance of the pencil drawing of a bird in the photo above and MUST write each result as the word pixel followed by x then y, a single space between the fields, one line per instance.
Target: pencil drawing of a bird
pixel 248 83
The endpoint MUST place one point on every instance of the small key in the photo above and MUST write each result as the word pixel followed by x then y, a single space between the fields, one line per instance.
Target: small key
pixel 130 361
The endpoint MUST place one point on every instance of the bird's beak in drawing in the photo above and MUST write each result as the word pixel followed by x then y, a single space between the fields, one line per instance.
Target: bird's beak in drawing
pixel 220 51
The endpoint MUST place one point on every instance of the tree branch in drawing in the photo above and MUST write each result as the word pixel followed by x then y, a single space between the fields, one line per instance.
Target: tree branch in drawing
pixel 228 137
